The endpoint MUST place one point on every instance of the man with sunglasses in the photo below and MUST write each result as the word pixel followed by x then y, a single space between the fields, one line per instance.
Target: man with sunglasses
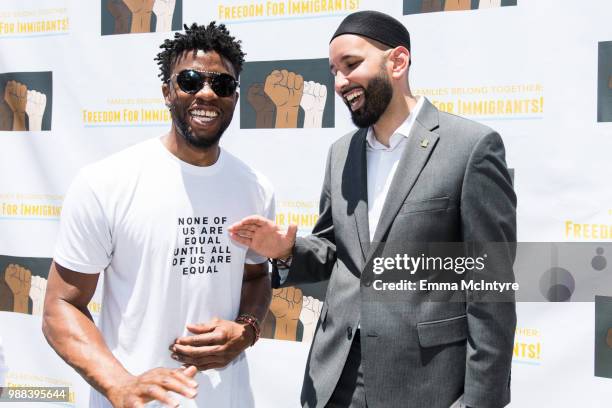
pixel 179 296
pixel 411 175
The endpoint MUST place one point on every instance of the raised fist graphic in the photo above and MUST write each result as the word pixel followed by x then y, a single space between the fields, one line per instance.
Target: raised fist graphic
pixel 19 279
pixel 141 15
pixel 286 306
pixel 35 108
pixel 263 106
pixel 309 316
pixel 37 294
pixel 164 10
pixel 313 103
pixel 285 90
pixel 15 95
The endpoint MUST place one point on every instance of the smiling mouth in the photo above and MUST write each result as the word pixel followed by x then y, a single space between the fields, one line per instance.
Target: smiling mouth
pixel 354 98
pixel 203 117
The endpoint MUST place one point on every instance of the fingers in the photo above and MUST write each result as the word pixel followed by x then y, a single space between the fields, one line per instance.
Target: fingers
pixel 202 328
pixel 285 77
pixel 204 362
pixel 172 383
pixel 292 231
pixel 298 82
pixel 158 393
pixel 240 239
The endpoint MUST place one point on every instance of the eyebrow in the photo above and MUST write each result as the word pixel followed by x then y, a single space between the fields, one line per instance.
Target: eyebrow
pixel 344 58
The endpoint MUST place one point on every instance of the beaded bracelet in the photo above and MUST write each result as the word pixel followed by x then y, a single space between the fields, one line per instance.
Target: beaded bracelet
pixel 252 321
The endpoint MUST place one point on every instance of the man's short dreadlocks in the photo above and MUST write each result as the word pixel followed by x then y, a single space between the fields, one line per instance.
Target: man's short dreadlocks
pixel 205 38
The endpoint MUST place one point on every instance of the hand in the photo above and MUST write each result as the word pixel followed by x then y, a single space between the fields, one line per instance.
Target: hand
pixel 309 316
pixel 35 108
pixel 286 306
pixel 141 15
pixel 452 5
pixel 37 294
pixel 164 10
pixel 213 345
pixel 19 280
pixel 154 385
pixel 121 13
pixel 263 106
pixel 313 103
pixel 609 338
pixel 285 90
pixel 6 116
pixel 264 236
pixel 15 95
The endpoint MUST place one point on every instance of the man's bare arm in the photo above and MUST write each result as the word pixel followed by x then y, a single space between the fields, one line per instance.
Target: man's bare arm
pixel 71 332
pixel 256 291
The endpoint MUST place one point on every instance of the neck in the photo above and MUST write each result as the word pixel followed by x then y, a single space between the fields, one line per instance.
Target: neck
pixel 197 156
pixel 397 112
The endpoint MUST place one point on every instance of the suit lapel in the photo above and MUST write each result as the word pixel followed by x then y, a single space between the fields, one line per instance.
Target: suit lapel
pixel 421 143
pixel 359 190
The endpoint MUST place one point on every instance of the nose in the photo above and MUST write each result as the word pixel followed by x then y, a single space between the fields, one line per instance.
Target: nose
pixel 340 81
pixel 206 92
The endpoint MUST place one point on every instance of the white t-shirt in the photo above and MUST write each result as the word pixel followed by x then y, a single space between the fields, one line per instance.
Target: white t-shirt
pixel 157 226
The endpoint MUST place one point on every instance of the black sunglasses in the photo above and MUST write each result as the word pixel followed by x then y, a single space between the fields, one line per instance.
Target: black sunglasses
pixel 191 81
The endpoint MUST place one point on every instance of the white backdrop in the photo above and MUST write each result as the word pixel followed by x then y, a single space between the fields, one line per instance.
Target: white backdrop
pixel 534 71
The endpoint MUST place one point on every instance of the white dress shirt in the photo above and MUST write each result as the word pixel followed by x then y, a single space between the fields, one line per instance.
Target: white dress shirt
pixel 382 164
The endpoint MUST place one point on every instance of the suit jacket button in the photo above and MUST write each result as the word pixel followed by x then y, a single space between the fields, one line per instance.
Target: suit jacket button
pixel 349 332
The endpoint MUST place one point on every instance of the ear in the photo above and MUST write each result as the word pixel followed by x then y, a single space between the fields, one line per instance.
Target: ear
pixel 166 93
pixel 400 59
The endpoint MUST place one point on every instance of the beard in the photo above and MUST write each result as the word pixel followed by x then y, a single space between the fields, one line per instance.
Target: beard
pixel 203 142
pixel 377 96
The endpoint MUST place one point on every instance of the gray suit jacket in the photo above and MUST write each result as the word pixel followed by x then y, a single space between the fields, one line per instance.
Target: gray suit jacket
pixel 414 353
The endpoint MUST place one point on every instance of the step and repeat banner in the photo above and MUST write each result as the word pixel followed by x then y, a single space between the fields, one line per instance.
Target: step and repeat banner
pixel 78 82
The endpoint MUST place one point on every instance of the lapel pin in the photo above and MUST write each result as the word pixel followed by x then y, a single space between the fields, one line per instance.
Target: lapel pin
pixel 424 143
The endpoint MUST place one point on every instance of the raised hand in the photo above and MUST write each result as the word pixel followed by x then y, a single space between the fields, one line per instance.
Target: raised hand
pixel 285 90
pixel 264 236
pixel 35 108
pixel 164 10
pixel 37 294
pixel 309 316
pixel 153 385
pixel 263 106
pixel 19 280
pixel 121 13
pixel 286 306
pixel 141 15
pixel 15 95
pixel 313 103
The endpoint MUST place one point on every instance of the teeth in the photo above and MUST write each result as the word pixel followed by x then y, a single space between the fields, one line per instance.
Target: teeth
pixel 205 113
pixel 353 95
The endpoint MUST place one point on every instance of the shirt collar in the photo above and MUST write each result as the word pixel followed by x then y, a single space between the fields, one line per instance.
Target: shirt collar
pixel 400 134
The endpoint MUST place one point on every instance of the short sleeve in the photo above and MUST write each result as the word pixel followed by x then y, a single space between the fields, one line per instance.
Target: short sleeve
pixel 84 242
pixel 269 212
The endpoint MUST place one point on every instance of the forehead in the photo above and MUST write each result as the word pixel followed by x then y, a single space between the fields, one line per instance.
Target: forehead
pixel 347 45
pixel 203 61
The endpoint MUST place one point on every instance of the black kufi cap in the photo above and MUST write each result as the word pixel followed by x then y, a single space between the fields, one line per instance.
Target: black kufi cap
pixel 376 26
